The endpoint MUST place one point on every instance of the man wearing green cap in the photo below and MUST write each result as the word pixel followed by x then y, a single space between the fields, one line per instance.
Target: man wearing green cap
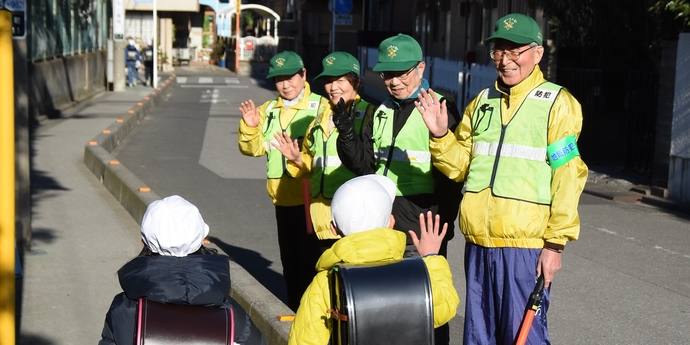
pixel 395 143
pixel 318 157
pixel 290 113
pixel 516 148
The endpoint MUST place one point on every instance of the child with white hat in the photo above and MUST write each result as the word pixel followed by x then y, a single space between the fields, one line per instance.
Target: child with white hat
pixel 361 210
pixel 173 267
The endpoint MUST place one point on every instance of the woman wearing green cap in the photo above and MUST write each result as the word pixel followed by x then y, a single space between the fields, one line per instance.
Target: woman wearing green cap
pixel 290 113
pixel 318 157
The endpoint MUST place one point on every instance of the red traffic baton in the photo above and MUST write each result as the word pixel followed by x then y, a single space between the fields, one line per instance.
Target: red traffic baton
pixel 307 203
pixel 532 307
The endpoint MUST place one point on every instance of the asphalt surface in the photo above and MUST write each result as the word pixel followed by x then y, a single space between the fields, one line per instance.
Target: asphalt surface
pixel 624 281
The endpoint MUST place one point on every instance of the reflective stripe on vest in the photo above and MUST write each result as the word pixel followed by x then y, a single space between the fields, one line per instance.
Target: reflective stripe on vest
pixel 275 161
pixel 405 159
pixel 511 159
pixel 328 173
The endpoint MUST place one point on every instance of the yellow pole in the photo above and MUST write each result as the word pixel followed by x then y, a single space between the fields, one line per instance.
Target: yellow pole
pixel 238 3
pixel 7 164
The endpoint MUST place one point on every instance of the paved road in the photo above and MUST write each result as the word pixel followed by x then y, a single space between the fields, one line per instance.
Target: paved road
pixel 625 281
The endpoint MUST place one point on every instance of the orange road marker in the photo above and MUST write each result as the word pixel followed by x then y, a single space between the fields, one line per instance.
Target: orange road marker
pixel 286 318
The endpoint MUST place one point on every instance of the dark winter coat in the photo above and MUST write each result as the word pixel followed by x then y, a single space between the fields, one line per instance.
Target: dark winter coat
pixel 194 279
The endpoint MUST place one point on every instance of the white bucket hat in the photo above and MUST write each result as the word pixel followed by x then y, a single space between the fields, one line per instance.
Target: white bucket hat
pixel 173 227
pixel 363 203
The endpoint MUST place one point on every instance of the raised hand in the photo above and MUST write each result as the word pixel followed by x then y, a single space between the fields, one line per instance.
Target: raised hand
pixel 434 113
pixel 288 147
pixel 343 121
pixel 430 239
pixel 249 113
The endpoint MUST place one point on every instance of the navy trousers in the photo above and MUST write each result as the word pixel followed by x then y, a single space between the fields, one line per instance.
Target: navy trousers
pixel 499 282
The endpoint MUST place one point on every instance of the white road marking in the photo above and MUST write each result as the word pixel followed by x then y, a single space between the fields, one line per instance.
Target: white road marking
pixel 217 86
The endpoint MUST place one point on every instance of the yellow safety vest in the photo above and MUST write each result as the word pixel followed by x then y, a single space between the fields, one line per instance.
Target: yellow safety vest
pixel 276 162
pixel 511 159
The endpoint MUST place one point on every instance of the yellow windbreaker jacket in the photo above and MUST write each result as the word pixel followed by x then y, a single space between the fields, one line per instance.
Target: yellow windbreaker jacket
pixel 311 327
pixel 491 221
pixel 285 191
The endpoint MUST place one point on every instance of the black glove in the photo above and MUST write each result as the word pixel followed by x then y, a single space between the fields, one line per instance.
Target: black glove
pixel 344 121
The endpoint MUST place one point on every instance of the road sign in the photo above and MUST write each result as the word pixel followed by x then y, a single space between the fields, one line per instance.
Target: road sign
pixel 342 6
pixel 118 20
pixel 18 9
pixel 343 19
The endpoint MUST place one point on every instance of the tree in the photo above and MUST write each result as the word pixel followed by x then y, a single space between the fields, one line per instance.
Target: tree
pixel 614 34
pixel 673 17
pixel 206 38
pixel 604 34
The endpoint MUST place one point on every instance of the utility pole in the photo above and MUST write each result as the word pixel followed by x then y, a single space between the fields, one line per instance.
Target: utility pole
pixel 155 46
pixel 7 181
pixel 238 3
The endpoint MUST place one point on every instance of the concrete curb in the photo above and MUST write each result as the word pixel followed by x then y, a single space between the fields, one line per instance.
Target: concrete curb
pixel 261 305
pixel 131 192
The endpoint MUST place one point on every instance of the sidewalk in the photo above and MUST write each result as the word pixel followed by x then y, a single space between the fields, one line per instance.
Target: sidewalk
pixel 613 185
pixel 80 233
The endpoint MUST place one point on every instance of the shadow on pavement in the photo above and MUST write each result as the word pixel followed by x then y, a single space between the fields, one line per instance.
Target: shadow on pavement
pixel 256 265
pixel 29 339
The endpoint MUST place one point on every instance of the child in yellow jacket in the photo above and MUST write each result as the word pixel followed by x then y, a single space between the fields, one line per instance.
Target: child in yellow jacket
pixel 361 211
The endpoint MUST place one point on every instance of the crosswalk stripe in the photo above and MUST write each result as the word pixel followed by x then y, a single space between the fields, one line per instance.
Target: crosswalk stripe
pixel 181 80
pixel 217 86
pixel 205 80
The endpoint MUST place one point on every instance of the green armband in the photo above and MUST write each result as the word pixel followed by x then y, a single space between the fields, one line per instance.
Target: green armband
pixel 562 151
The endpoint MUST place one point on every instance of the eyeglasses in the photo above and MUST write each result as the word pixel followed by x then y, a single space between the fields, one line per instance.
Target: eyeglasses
pixel 497 55
pixel 402 76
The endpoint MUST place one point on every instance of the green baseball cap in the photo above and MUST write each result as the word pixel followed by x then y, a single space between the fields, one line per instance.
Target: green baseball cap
pixel 338 63
pixel 398 53
pixel 284 63
pixel 517 28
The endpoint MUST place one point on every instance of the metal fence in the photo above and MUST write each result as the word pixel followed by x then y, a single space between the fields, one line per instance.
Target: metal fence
pixel 619 116
pixel 619 108
pixel 66 27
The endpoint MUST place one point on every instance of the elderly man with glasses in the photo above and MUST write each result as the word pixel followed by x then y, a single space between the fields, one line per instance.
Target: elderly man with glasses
pixel 395 143
pixel 516 150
